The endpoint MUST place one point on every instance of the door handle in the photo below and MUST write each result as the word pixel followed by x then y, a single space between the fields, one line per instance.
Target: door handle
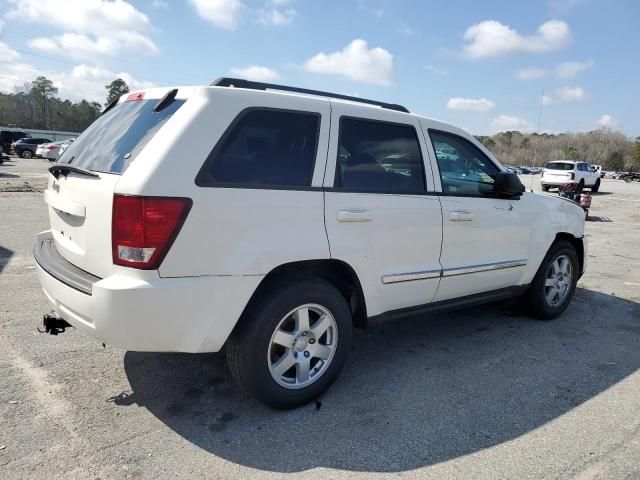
pixel 354 216
pixel 460 216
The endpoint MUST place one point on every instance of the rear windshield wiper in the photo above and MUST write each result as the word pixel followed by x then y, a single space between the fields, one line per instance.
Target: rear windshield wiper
pixel 64 169
pixel 166 100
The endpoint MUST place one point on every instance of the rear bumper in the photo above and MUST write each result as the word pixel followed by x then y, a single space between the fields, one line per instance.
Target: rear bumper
pixel 555 181
pixel 138 310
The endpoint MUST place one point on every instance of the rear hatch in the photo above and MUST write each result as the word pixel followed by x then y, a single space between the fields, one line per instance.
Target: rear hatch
pixel 559 171
pixel 83 182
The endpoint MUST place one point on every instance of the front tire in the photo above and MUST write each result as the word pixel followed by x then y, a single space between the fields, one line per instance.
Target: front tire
pixel 292 343
pixel 26 154
pixel 545 188
pixel 596 186
pixel 554 284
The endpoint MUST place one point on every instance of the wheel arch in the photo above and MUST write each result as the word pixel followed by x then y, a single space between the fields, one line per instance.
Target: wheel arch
pixel 577 243
pixel 336 272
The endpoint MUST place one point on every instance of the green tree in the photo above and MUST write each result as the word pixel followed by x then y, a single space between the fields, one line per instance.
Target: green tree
pixel 115 90
pixel 41 90
pixel 635 156
pixel 571 153
pixel 615 161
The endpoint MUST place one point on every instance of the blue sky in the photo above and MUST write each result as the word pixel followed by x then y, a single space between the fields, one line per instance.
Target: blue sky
pixel 479 65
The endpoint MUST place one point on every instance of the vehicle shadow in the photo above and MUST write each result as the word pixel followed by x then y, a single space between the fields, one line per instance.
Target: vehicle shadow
pixel 5 256
pixel 417 393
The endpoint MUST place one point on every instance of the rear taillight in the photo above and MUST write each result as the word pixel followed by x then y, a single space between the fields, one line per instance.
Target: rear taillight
pixel 51 147
pixel 144 228
pixel 572 175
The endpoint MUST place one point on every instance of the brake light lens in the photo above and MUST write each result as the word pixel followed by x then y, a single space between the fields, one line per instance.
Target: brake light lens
pixel 51 147
pixel 572 175
pixel 144 228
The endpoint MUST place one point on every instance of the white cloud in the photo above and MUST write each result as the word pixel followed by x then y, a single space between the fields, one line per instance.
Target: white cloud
pixel 509 122
pixel 274 15
pixel 256 72
pixel 492 38
pixel 8 54
pixel 93 27
pixel 564 95
pixel 357 62
pixel 571 69
pixel 437 71
pixel 159 4
pixel 470 104
pixel 83 82
pixel 222 13
pixel 531 73
pixel 608 121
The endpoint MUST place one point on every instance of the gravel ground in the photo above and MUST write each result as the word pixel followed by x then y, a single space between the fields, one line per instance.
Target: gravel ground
pixel 479 393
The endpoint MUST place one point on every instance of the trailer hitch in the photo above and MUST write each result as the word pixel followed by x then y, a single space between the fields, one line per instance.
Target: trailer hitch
pixel 53 324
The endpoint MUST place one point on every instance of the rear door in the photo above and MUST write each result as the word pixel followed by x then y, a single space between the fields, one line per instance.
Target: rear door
pixel 381 214
pixel 80 206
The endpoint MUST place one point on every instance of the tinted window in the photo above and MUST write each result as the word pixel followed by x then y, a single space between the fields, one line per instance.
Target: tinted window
pixel 264 147
pixel 559 166
pixel 464 169
pixel 114 140
pixel 379 157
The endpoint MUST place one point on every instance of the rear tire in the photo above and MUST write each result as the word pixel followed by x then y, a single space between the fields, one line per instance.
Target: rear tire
pixel 554 284
pixel 596 186
pixel 581 185
pixel 545 188
pixel 26 154
pixel 275 332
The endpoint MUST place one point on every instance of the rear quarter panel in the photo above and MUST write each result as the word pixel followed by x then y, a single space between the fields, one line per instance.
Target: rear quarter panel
pixel 230 231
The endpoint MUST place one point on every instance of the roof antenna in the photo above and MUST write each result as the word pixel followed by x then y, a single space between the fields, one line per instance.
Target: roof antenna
pixel 535 145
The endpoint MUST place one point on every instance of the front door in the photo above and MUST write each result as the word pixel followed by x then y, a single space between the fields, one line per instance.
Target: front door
pixel 485 239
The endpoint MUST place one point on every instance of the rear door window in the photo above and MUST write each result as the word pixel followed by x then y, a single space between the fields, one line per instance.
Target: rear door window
pixel 115 139
pixel 264 148
pixel 379 157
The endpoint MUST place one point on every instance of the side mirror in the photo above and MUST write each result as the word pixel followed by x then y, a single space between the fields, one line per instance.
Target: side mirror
pixel 508 185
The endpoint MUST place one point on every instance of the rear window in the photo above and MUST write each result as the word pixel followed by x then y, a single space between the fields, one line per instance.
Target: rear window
pixel 114 140
pixel 559 166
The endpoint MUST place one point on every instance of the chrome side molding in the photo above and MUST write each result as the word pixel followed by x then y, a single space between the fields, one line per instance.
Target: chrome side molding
pixel 486 267
pixel 407 277
pixel 449 272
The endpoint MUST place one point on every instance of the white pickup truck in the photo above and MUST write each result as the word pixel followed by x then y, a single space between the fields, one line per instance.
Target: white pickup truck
pixel 559 172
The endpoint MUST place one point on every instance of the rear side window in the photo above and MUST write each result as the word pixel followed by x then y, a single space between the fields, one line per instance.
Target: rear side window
pixel 264 148
pixel 379 157
pixel 559 166
pixel 113 141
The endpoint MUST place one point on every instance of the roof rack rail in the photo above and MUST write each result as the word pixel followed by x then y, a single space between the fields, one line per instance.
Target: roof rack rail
pixel 241 83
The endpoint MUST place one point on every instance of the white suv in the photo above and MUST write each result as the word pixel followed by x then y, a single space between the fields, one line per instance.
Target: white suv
pixel 559 172
pixel 272 223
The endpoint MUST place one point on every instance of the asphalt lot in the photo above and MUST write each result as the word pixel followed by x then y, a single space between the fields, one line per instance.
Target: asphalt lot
pixel 479 393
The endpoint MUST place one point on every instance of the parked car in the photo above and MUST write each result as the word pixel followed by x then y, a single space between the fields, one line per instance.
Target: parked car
pixel 560 172
pixel 51 151
pixel 64 146
pixel 7 137
pixel 26 147
pixel 598 170
pixel 271 224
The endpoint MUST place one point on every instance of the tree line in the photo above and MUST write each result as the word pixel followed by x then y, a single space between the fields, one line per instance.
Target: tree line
pixel 36 105
pixel 611 149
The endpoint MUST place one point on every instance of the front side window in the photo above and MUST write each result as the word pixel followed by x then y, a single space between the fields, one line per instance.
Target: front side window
pixel 264 148
pixel 379 157
pixel 464 169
